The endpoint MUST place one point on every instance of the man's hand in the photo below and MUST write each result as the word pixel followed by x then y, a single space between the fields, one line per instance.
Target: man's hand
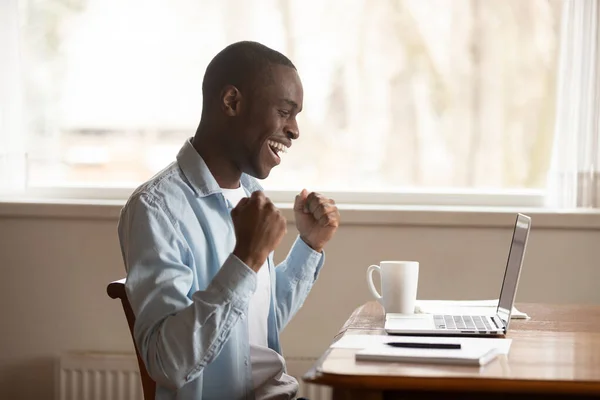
pixel 259 228
pixel 317 219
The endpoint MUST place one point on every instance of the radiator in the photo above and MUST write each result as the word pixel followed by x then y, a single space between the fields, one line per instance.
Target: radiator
pixel 102 376
pixel 98 376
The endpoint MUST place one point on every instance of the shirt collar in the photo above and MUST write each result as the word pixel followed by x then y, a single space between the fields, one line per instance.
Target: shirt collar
pixel 199 176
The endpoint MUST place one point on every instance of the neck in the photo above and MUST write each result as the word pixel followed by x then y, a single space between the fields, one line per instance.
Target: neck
pixel 217 158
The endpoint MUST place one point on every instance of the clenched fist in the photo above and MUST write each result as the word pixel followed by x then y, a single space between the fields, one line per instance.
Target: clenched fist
pixel 317 218
pixel 259 228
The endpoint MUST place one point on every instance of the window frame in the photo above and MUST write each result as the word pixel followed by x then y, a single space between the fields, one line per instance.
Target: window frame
pixel 506 198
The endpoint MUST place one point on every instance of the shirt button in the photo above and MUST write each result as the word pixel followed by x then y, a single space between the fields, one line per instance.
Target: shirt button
pixel 245 361
pixel 242 316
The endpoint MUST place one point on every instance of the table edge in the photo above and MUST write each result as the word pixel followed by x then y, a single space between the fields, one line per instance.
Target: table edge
pixel 439 384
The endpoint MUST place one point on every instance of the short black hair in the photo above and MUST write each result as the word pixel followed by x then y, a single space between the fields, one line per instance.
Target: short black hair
pixel 242 64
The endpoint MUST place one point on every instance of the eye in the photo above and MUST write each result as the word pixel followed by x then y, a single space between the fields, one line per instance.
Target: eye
pixel 284 113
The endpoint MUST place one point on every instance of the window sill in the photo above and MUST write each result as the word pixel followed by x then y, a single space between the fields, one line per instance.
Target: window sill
pixel 438 216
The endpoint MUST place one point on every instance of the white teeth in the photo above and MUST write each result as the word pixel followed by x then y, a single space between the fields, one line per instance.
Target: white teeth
pixel 278 146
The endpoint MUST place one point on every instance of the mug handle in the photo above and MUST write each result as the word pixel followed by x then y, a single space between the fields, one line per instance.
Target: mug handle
pixel 370 281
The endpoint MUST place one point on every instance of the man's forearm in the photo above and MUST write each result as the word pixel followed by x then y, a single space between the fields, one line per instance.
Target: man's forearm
pixel 295 277
pixel 177 348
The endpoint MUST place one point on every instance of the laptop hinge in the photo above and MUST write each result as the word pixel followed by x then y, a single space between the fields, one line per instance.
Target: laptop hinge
pixel 499 323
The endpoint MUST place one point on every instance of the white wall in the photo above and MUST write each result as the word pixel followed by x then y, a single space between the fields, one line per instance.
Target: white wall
pixel 55 272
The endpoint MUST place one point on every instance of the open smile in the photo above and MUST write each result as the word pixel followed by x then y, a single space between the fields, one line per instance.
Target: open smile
pixel 276 148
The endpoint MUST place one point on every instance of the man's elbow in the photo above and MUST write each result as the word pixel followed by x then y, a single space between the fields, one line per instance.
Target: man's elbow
pixel 164 367
pixel 169 373
pixel 173 381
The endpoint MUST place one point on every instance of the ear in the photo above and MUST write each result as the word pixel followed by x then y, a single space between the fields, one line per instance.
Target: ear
pixel 231 99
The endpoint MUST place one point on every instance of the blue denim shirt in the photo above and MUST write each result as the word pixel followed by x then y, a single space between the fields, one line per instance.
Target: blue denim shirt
pixel 189 293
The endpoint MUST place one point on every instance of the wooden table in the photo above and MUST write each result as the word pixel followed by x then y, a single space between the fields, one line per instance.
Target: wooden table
pixel 555 354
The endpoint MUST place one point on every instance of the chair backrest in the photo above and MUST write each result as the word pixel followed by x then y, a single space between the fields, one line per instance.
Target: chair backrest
pixel 116 290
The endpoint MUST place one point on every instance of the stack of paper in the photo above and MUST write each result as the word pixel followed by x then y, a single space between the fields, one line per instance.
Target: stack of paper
pixel 463 307
pixel 468 356
pixel 473 351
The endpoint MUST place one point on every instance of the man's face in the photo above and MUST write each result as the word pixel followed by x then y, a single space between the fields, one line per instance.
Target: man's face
pixel 267 122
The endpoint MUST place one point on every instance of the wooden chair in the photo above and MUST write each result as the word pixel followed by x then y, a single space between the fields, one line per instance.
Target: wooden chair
pixel 116 290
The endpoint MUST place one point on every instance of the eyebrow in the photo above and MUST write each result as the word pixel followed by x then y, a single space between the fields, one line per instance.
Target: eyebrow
pixel 290 102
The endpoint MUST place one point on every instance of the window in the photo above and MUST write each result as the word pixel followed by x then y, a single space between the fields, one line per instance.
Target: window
pixel 399 95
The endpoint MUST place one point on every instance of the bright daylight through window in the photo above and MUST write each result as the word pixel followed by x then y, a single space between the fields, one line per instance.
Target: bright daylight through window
pixel 398 94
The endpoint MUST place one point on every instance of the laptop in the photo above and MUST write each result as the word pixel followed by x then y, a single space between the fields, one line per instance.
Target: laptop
pixel 472 325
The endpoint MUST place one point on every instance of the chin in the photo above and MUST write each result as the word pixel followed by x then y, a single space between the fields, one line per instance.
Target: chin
pixel 263 174
pixel 259 173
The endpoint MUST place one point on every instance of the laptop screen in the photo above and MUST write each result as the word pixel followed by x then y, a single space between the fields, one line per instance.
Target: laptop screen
pixel 513 266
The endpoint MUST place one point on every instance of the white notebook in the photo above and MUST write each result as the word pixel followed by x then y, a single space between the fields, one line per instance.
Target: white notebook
pixel 477 356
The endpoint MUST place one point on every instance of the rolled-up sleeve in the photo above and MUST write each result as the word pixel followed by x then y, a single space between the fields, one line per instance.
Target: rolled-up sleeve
pixel 176 335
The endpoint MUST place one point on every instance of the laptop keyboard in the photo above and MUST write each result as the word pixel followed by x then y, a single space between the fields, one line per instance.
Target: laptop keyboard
pixel 463 322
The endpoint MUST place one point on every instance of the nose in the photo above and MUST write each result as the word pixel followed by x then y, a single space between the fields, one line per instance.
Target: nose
pixel 292 131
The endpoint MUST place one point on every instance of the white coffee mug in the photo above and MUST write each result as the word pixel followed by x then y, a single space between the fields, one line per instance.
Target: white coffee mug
pixel 399 281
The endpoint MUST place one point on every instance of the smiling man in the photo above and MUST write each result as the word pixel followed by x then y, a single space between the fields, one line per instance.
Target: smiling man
pixel 198 240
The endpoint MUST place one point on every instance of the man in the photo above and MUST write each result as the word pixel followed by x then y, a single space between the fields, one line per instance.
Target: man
pixel 198 240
